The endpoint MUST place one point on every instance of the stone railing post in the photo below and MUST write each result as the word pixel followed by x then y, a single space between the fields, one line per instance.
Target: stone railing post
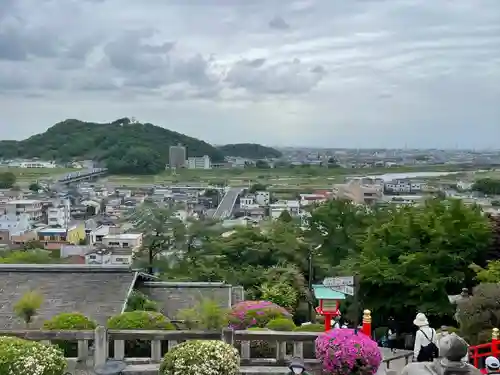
pixel 228 336
pixel 100 346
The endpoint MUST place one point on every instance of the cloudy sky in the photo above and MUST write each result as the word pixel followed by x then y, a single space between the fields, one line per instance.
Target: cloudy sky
pixel 338 73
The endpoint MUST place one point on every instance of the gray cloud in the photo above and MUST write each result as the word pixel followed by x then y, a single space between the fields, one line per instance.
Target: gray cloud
pixel 278 23
pixel 411 65
pixel 279 78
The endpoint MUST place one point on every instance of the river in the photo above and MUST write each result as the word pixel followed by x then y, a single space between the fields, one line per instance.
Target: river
pixel 403 175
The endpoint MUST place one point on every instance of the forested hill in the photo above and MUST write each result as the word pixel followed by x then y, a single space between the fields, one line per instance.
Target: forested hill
pixel 123 146
pixel 250 151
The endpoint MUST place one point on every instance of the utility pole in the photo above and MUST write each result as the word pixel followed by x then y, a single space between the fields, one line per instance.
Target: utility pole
pixel 309 283
pixel 310 279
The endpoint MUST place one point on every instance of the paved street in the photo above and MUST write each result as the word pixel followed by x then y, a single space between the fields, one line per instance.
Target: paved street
pixel 225 207
pixel 396 364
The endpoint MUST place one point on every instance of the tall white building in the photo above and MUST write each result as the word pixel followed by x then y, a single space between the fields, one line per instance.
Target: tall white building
pixel 203 162
pixel 59 214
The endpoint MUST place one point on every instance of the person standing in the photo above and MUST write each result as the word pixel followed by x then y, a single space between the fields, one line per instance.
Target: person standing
pixel 425 349
pixel 392 334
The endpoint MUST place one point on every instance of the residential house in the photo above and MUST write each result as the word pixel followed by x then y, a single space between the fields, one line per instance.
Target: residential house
pixel 255 212
pixel 358 193
pixel 32 208
pixel 292 206
pixel 124 193
pixel 109 256
pixel 113 207
pixel 123 240
pixel 317 197
pixel 67 251
pixel 54 238
pixel 465 185
pixel 403 186
pixel 247 200
pixel 93 207
pixel 16 230
pixel 263 198
pixel 96 236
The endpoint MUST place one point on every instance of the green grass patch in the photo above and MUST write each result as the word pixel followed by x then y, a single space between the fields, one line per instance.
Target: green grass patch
pixel 33 174
pixel 277 178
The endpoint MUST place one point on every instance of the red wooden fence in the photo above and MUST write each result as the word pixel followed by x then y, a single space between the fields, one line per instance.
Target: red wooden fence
pixel 485 350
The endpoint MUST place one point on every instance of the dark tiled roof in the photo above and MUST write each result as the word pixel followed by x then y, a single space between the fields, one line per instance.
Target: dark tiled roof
pixel 96 291
pixel 175 296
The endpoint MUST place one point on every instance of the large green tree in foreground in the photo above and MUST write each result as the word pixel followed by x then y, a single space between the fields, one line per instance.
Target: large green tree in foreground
pixel 423 253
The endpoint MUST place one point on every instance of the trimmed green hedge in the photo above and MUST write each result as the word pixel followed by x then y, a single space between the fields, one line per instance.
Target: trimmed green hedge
pixel 69 321
pixel 139 320
pixel 311 328
pixel 281 324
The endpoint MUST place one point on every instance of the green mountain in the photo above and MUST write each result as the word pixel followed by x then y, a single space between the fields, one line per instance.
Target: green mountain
pixel 123 146
pixel 249 151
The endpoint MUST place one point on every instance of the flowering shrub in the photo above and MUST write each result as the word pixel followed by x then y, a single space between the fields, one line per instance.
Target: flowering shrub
pixel 248 314
pixel 23 357
pixel 201 357
pixel 342 352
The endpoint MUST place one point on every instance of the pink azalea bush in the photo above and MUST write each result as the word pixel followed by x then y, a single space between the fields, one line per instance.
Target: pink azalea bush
pixel 248 314
pixel 343 352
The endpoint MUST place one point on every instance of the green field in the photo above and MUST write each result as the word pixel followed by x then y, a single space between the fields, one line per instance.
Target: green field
pixel 29 175
pixel 278 179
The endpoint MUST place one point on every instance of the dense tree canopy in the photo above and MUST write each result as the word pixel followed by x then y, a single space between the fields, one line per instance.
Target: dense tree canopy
pixel 250 151
pixel 424 251
pixel 124 146
pixel 7 180
pixel 487 186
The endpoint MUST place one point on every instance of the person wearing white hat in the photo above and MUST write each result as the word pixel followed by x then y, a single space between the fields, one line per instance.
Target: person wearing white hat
pixel 425 349
pixel 492 365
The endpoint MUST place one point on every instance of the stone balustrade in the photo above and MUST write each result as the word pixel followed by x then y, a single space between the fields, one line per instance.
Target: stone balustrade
pixel 288 344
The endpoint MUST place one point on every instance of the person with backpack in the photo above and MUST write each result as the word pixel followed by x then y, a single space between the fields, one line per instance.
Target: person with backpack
pixel 425 349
